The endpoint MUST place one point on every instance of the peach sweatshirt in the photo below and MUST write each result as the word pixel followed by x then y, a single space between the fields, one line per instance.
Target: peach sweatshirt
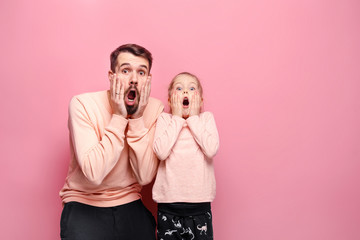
pixel 185 148
pixel 111 157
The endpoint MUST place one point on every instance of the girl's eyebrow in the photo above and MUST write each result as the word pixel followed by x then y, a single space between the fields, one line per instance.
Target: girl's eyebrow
pixel 193 84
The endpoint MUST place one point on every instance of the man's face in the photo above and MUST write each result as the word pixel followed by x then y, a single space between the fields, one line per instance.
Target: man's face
pixel 133 71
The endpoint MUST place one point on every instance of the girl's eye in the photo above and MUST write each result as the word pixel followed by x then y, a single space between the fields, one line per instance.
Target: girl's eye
pixel 178 88
pixel 192 89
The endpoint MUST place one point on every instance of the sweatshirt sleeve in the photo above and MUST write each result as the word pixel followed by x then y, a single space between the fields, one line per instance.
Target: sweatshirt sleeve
pixel 167 131
pixel 140 137
pixel 205 133
pixel 96 155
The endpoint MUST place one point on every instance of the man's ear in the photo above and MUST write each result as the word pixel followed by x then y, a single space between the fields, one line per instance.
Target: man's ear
pixel 110 75
pixel 149 76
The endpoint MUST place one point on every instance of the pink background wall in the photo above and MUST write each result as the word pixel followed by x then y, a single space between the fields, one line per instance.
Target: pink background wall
pixel 282 78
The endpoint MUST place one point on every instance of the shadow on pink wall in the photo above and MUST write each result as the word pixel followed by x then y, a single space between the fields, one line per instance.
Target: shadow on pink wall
pixel 147 199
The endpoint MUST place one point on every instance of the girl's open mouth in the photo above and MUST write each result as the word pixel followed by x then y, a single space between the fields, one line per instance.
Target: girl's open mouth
pixel 186 102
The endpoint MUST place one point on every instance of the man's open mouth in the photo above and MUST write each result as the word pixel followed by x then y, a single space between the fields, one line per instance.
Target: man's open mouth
pixel 131 95
pixel 186 102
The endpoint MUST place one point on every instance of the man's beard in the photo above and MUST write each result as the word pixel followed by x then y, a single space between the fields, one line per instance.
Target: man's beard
pixel 131 109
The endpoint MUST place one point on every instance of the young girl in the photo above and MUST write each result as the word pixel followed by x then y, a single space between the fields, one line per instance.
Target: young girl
pixel 185 142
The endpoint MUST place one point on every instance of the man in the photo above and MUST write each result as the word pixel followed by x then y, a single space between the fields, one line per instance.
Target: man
pixel 111 135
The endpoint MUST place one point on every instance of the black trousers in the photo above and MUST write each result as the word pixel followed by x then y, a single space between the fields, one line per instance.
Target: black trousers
pixel 184 221
pixel 132 221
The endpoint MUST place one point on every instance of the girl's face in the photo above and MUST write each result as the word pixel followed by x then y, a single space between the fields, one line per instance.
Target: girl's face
pixel 185 86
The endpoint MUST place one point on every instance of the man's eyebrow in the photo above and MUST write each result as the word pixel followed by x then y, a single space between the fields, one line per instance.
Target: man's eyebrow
pixel 144 66
pixel 125 64
pixel 128 64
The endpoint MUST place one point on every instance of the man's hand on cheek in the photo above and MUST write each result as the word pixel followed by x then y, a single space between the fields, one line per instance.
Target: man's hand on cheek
pixel 144 98
pixel 176 105
pixel 117 89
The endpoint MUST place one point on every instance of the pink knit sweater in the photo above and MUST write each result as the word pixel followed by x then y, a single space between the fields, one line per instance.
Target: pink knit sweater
pixel 111 157
pixel 186 149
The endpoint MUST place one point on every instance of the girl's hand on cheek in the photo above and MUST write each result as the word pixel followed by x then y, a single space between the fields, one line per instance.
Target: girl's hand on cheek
pixel 195 104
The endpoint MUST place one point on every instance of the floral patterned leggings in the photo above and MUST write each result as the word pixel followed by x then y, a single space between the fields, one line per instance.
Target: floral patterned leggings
pixel 184 221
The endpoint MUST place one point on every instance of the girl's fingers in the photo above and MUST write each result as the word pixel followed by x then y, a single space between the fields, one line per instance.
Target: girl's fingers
pixel 198 101
pixel 192 103
pixel 173 98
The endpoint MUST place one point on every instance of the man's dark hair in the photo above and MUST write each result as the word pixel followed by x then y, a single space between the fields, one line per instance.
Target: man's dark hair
pixel 133 49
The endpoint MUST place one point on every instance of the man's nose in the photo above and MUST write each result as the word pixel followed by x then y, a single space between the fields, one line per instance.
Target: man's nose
pixel 134 80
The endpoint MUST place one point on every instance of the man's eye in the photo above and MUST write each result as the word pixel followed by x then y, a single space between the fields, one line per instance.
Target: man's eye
pixel 142 73
pixel 125 71
pixel 178 88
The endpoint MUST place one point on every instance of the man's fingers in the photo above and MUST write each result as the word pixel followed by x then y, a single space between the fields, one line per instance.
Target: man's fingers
pixel 148 86
pixel 122 89
pixel 113 85
pixel 142 94
pixel 117 89
pixel 145 90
